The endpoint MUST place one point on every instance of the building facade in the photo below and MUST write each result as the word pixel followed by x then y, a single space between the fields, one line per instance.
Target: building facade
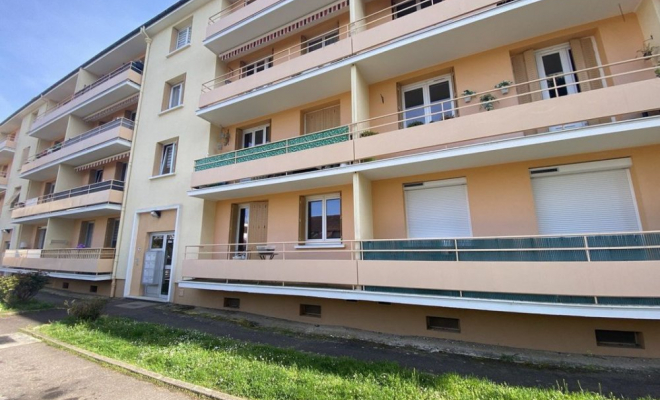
pixel 483 171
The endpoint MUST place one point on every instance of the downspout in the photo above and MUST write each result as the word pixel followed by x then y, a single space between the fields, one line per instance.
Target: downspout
pixel 129 167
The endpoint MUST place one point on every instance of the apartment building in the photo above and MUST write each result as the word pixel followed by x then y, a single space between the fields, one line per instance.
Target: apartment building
pixel 474 170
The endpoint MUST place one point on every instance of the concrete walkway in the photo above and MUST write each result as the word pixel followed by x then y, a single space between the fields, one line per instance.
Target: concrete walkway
pixel 627 383
pixel 30 370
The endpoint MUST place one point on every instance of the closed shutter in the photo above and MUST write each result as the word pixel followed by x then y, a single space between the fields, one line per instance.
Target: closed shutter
pixel 183 37
pixel 438 209
pixel 258 226
pixel 320 120
pixel 584 56
pixel 587 202
pixel 533 74
pixel 233 229
pixel 520 76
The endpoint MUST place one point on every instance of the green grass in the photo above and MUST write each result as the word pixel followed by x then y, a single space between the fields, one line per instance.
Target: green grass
pixel 30 305
pixel 266 372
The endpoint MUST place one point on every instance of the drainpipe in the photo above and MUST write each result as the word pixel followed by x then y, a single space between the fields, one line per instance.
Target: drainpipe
pixel 129 167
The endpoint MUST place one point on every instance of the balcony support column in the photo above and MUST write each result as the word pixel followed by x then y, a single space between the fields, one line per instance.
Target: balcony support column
pixel 357 13
pixel 362 207
pixel 85 78
pixel 359 98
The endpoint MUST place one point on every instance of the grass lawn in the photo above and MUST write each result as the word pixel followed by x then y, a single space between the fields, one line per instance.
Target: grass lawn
pixel 30 305
pixel 266 372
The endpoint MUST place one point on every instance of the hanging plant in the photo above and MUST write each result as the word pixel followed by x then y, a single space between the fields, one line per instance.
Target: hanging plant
pixel 467 94
pixel 504 86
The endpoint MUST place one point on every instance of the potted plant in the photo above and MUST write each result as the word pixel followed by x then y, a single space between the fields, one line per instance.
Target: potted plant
pixel 467 93
pixel 504 86
pixel 647 50
pixel 414 123
pixel 367 133
pixel 488 101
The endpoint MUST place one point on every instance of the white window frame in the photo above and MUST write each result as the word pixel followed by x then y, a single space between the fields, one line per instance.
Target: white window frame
pixel 179 97
pixel 563 50
pixel 323 198
pixel 258 66
pixel 251 131
pixel 425 85
pixel 322 41
pixel 163 159
pixel 186 34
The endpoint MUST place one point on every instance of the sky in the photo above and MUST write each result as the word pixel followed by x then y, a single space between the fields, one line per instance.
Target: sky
pixel 44 40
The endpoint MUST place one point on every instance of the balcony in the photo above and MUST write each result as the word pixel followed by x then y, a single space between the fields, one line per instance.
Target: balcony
pixel 106 91
pixel 107 140
pixel 458 128
pixel 95 200
pixel 235 25
pixel 7 149
pixel 84 263
pixel 382 49
pixel 575 272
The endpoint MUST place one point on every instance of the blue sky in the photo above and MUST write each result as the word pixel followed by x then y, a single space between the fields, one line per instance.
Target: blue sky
pixel 43 40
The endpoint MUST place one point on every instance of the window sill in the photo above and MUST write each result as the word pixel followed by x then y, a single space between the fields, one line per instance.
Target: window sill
pixel 161 176
pixel 171 109
pixel 180 49
pixel 320 246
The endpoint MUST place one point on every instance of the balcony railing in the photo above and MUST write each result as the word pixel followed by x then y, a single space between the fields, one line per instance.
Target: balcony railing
pixel 133 65
pixel 79 191
pixel 446 110
pixel 67 254
pixel 605 247
pixel 120 122
pixel 346 31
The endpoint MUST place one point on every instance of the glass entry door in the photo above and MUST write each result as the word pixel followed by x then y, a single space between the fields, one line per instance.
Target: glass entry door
pixel 158 265
pixel 556 63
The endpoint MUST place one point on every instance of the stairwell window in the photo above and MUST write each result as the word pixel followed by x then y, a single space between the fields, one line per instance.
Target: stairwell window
pixel 168 155
pixel 323 218
pixel 176 95
pixel 173 93
pixel 181 35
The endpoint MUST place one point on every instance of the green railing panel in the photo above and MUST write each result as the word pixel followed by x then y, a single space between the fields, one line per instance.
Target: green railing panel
pixel 310 141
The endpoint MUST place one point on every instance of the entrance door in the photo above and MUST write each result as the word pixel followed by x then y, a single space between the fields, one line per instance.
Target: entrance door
pixel 158 265
pixel 553 63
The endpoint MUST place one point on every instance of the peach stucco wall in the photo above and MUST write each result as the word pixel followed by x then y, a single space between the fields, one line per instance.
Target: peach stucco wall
pixel 500 197
pixel 283 214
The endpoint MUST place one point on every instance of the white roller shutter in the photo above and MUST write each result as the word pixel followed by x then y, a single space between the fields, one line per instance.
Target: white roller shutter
pixel 597 200
pixel 438 209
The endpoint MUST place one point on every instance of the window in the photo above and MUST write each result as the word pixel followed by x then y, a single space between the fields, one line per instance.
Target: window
pixel 323 217
pixel 257 66
pixel 65 285
pixel 95 176
pixel 619 339
pixel 41 237
pixel 167 159
pixel 86 234
pixel 232 302
pixel 428 102
pixel 49 189
pixel 120 171
pixel 176 95
pixel 555 63
pixel 309 310
pixel 443 324
pixel 322 41
pixel 321 120
pixel 404 7
pixel 256 136
pixel 13 203
pixel 111 233
pixel 183 37
pixel 93 288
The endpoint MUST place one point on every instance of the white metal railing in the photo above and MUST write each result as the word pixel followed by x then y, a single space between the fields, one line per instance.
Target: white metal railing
pixel 123 122
pixel 621 246
pixel 79 191
pixel 133 65
pixel 345 31
pixel 70 254
pixel 398 120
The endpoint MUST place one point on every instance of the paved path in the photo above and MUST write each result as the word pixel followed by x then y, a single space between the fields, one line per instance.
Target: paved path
pixel 622 383
pixel 31 370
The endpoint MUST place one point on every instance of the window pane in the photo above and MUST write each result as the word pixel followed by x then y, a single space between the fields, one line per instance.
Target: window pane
pixel 315 220
pixel 332 38
pixel 314 44
pixel 439 92
pixel 259 137
pixel 333 218
pixel 175 95
pixel 247 140
pixel 406 8
pixel 552 64
pixel 414 98
pixel 156 242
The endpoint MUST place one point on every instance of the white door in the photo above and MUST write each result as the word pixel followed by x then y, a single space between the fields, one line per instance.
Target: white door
pixel 585 198
pixel 436 95
pixel 438 209
pixel 255 136
pixel 554 63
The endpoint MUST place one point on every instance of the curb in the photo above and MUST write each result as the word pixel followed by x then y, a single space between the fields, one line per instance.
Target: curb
pixel 185 386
